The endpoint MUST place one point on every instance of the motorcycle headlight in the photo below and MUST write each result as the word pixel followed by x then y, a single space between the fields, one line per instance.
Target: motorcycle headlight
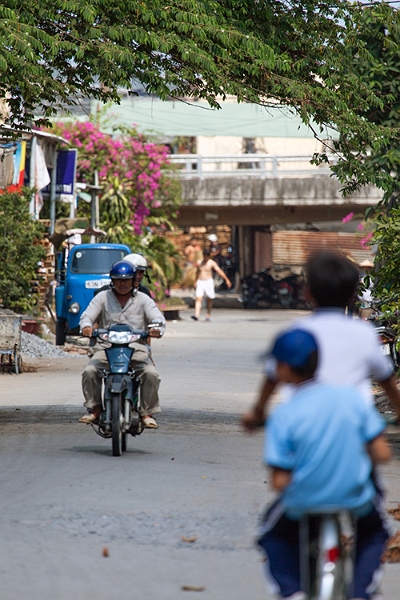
pixel 122 337
pixel 119 337
pixel 74 308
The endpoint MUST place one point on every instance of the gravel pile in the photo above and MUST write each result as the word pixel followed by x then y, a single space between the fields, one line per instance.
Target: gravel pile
pixel 33 346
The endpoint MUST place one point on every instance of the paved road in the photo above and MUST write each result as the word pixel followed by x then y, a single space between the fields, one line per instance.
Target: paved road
pixel 65 499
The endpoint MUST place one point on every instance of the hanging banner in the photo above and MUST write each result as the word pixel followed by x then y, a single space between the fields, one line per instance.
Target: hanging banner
pixel 42 177
pixel 19 166
pixel 66 176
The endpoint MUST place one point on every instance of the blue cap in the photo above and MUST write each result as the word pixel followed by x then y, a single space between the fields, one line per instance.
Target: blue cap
pixel 294 347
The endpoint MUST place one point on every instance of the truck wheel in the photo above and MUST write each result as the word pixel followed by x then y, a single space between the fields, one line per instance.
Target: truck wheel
pixel 61 332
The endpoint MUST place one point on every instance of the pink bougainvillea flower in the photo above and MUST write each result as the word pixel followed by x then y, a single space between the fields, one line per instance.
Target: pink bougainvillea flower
pixel 137 163
pixel 348 217
pixel 366 240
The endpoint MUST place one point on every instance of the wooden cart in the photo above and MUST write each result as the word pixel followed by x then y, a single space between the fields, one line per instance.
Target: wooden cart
pixel 10 342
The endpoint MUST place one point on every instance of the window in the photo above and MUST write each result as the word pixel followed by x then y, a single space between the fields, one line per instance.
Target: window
pixel 97 261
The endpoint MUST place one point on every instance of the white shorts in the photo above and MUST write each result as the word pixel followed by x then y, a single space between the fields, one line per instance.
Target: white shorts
pixel 205 286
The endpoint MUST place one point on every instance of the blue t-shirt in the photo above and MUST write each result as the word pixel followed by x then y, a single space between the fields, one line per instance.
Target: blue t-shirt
pixel 320 435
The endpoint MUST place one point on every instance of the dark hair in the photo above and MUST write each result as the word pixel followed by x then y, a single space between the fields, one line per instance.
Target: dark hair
pixel 206 252
pixel 310 366
pixel 332 279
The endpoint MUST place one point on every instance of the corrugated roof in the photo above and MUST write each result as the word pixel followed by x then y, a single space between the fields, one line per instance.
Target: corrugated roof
pixel 175 118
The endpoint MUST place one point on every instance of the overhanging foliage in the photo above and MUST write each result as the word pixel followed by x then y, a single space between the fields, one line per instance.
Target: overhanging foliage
pixel 299 53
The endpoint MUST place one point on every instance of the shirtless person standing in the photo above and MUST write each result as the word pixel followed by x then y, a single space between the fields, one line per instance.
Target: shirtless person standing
pixel 193 252
pixel 205 284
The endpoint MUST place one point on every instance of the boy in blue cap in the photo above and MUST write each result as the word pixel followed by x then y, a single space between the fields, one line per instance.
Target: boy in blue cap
pixel 321 458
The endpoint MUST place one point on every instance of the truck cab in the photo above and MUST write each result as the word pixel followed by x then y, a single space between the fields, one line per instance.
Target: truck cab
pixel 81 271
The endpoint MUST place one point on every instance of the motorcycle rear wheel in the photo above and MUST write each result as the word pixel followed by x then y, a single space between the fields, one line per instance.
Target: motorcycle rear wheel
pixel 329 576
pixel 117 435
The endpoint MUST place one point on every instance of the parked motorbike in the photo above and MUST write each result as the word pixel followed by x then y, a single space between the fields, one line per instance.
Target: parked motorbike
pixel 387 335
pixel 263 288
pixel 294 284
pixel 227 264
pixel 121 390
pixel 250 291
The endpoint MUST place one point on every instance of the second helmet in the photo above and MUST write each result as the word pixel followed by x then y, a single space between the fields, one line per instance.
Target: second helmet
pixel 137 260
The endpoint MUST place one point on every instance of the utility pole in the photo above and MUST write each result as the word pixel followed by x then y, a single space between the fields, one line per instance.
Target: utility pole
pixel 94 190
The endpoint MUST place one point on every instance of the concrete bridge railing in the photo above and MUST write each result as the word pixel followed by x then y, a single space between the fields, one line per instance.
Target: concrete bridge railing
pixel 261 166
pixel 263 189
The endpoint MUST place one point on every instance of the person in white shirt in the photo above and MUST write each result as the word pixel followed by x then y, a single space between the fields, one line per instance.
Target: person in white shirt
pixel 349 349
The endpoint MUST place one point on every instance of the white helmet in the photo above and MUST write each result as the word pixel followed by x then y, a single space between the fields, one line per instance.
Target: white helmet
pixel 212 238
pixel 137 260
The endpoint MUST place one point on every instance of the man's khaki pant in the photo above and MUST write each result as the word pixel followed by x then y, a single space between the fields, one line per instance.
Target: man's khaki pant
pixel 141 363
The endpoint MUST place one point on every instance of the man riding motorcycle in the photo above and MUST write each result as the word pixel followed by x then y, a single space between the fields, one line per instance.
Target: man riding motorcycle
pixel 123 303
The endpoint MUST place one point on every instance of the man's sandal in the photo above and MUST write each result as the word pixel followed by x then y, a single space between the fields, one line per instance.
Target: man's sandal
pixel 149 422
pixel 89 419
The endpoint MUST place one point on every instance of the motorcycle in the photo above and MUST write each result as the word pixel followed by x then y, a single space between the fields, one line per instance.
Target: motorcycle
pixel 387 335
pixel 261 287
pixel 294 285
pixel 121 390
pixel 327 548
pixel 250 291
pixel 227 264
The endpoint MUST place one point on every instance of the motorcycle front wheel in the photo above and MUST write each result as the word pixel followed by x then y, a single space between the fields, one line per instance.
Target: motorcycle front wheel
pixel 117 434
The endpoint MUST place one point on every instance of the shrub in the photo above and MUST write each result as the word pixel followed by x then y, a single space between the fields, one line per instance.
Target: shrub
pixel 20 251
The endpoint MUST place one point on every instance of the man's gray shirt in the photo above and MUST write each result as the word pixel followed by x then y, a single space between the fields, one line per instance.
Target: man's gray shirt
pixel 138 312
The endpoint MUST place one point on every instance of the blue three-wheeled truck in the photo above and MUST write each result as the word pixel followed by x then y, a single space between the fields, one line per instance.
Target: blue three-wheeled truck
pixel 81 271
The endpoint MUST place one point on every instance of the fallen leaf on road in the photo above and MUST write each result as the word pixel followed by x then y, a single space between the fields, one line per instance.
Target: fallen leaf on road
pixel 395 512
pixel 189 540
pixel 193 588
pixel 392 552
pixel 105 552
pixel 29 369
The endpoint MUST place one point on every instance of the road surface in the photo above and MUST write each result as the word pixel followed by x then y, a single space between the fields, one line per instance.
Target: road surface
pixel 178 509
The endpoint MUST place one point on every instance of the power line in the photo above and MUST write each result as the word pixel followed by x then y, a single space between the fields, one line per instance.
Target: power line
pixel 378 2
